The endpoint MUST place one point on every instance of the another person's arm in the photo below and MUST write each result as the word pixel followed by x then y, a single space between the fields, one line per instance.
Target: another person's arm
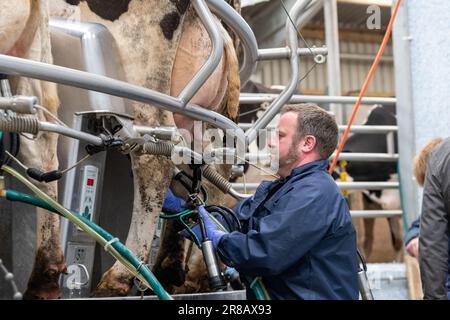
pixel 412 239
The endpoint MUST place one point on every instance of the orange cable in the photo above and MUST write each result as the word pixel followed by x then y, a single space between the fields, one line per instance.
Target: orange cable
pixel 366 84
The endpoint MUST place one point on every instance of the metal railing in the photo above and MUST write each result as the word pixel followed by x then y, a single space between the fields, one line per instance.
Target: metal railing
pixel 22 67
pixel 341 185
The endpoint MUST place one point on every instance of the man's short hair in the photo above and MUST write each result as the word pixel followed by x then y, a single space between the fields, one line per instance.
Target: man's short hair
pixel 313 120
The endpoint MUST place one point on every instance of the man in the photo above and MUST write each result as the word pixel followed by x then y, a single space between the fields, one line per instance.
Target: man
pixel 297 231
pixel 434 227
pixel 419 169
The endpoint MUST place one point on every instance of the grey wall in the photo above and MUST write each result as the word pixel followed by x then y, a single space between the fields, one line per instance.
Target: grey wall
pixel 422 65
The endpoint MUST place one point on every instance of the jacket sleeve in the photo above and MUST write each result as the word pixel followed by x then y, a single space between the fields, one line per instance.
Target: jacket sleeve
pixel 413 231
pixel 433 240
pixel 298 221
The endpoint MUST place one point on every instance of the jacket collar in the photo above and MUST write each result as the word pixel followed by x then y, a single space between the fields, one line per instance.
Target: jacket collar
pixel 317 165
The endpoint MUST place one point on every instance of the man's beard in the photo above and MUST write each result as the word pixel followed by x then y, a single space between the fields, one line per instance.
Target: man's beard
pixel 286 161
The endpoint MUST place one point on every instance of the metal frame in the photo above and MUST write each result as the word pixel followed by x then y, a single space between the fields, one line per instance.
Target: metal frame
pixel 245 33
pixel 351 156
pixel 287 93
pixel 334 64
pixel 252 54
pixel 405 111
pixel 342 128
pixel 84 80
pixel 341 185
pixel 252 98
pixel 216 53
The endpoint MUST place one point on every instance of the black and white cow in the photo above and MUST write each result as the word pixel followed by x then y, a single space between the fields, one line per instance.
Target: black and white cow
pixel 379 171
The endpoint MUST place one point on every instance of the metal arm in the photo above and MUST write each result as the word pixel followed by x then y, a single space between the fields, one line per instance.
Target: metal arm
pixel 72 133
pixel 287 93
pixel 214 59
pixel 89 81
pixel 245 33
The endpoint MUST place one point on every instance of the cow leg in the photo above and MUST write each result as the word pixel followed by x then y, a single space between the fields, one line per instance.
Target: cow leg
pixel 170 266
pixel 42 153
pixel 149 193
pixel 390 200
pixel 368 235
pixel 49 260
pixel 196 277
pixel 396 236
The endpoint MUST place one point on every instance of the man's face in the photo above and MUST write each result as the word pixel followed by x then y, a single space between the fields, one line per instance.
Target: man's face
pixel 282 147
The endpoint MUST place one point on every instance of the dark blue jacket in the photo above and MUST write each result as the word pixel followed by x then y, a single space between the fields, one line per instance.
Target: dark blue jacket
pixel 298 236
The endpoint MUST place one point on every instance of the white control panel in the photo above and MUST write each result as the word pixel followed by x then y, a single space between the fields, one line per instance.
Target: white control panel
pixel 88 191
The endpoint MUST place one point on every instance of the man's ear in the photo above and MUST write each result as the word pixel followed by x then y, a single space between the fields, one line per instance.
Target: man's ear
pixel 308 143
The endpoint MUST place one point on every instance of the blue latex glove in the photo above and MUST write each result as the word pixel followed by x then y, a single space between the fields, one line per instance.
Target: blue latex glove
pixel 212 231
pixel 172 203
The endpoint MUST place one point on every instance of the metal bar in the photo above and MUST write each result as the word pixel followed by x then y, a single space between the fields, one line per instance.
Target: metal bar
pixel 69 132
pixel 237 195
pixel 350 156
pixel 287 93
pixel 80 79
pixel 285 53
pixel 216 52
pixel 375 213
pixel 380 157
pixel 341 185
pixel 364 57
pixel 403 37
pixel 367 185
pixel 245 33
pixel 309 13
pixel 333 63
pixel 161 132
pixel 390 143
pixel 354 128
pixel 253 98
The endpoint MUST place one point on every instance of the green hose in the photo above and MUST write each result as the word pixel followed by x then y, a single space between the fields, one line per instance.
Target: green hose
pixel 136 266
pixel 13 195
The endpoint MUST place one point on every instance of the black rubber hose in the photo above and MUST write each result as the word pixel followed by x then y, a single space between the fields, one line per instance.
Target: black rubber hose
pixel 223 214
pixel 226 214
pixel 15 143
pixel 232 214
pixel 361 258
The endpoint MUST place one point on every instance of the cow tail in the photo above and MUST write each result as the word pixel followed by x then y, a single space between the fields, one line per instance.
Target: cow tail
pixel 234 82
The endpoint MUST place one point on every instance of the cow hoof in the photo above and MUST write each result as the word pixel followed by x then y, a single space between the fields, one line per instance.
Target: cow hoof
pixel 45 285
pixel 111 286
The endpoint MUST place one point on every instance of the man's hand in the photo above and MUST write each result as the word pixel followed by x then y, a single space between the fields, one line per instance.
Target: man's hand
pixel 172 203
pixel 212 231
pixel 413 248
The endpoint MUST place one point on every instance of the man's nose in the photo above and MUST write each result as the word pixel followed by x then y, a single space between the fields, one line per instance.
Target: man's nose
pixel 273 141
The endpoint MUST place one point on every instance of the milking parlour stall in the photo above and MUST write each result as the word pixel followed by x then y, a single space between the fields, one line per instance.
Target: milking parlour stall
pixel 232 150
